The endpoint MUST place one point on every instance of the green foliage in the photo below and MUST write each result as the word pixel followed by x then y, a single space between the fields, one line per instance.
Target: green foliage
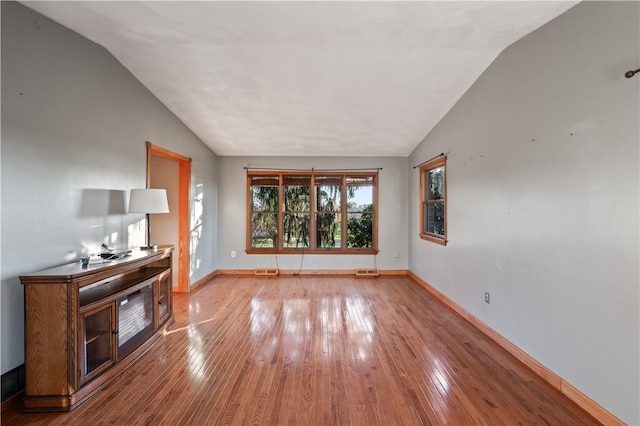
pixel 295 224
pixel 360 229
pixel 264 220
pixel 327 218
pixel 299 201
pixel 436 183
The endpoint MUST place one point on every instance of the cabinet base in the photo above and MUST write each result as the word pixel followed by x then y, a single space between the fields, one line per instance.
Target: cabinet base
pixel 46 403
pixel 69 402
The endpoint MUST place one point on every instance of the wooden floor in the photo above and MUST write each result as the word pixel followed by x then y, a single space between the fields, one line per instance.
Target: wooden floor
pixel 322 351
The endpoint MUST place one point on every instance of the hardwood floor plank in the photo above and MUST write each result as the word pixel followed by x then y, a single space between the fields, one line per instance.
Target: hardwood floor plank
pixel 319 350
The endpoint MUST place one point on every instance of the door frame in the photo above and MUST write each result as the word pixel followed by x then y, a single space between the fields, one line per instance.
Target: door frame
pixel 184 184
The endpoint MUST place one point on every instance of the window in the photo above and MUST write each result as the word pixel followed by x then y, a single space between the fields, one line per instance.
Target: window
pixel 296 214
pixel 264 211
pixel 323 212
pixel 433 201
pixel 360 211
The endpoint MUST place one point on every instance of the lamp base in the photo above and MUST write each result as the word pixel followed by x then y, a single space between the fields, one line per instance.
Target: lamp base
pixel 149 247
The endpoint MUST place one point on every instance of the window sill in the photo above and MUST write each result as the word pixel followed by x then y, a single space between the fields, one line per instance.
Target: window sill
pixel 431 238
pixel 313 252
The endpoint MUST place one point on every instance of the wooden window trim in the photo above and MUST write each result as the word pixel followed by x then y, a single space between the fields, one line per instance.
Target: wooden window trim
pixel 312 249
pixel 437 162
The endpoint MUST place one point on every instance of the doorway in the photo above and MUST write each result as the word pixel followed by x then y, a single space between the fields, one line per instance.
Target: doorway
pixel 166 169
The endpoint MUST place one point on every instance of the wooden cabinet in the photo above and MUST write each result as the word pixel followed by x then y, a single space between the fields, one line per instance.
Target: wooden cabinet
pixel 85 324
pixel 97 349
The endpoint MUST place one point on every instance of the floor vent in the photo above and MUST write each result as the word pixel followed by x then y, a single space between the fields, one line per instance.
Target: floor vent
pixel 267 272
pixel 367 273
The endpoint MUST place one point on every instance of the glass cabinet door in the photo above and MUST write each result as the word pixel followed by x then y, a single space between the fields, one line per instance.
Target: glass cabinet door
pixel 97 340
pixel 164 298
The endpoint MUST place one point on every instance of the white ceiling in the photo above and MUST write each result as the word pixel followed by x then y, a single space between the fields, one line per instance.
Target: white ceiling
pixel 306 78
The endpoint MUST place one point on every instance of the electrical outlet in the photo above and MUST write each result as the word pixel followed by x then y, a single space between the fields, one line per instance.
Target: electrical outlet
pixel 487 298
pixel 396 254
pixel 233 253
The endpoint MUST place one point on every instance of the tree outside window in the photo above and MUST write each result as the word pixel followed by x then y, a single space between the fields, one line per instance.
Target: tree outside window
pixel 295 211
pixel 360 211
pixel 328 190
pixel 264 212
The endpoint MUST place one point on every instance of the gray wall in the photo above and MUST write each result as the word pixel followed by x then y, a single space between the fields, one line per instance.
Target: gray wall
pixel 74 127
pixel 392 215
pixel 543 186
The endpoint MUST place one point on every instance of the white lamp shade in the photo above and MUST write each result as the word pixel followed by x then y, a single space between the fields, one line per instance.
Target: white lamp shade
pixel 148 200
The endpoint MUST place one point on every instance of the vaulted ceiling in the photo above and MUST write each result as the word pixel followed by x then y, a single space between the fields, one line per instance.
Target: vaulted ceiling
pixel 306 78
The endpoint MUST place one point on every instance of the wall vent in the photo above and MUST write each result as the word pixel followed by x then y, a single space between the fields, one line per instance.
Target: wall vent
pixel 367 273
pixel 266 272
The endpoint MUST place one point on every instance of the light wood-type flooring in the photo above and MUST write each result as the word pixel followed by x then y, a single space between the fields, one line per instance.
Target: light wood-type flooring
pixel 319 351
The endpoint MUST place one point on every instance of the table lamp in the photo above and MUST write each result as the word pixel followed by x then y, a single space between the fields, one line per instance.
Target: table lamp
pixel 148 201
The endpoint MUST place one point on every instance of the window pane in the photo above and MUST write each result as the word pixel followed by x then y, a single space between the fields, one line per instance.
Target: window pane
pixel 360 230
pixel 296 230
pixel 264 180
pixel 434 218
pixel 360 209
pixel 295 225
pixel 360 180
pixel 328 193
pixel 264 230
pixel 360 194
pixel 264 198
pixel 296 193
pixel 435 184
pixel 284 205
pixel 328 230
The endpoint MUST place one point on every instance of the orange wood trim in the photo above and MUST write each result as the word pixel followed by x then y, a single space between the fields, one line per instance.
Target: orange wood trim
pixel 310 251
pixel 343 208
pixel 376 208
pixel 446 221
pixel 393 272
pixel 149 153
pixel 278 244
pixel 163 152
pixel 204 280
pixel 183 225
pixel 545 373
pixel 317 272
pixel 421 178
pixel 184 186
pixel 249 207
pixel 312 212
pixel 589 405
pixel 295 272
pixel 235 272
pixel 436 240
pixel 345 172
pixel 312 218
pixel 437 162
